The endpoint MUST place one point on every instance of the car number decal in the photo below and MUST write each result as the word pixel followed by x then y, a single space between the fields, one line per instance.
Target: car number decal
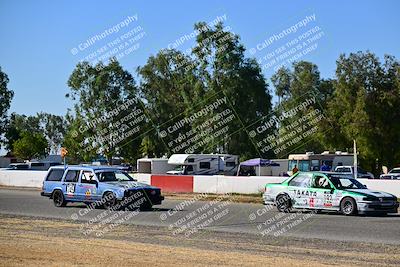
pixel 327 199
pixel 70 189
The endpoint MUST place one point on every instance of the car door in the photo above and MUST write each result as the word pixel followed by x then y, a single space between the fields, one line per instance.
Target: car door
pixel 87 187
pixel 70 182
pixel 324 192
pixel 299 188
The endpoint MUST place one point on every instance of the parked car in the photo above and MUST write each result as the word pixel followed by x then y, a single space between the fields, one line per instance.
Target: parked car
pixel 361 174
pixel 33 166
pixel 393 174
pixel 328 191
pixel 108 187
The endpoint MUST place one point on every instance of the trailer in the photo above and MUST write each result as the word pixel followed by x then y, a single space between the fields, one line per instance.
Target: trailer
pixel 203 164
pixel 153 165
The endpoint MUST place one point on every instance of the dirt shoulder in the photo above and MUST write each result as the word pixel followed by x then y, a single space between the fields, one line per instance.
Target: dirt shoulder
pixel 28 241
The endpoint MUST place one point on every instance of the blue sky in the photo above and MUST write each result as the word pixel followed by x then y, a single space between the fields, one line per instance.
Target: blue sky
pixel 37 36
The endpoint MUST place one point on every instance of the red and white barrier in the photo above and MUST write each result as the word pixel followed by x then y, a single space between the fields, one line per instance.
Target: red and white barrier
pixel 219 184
pixel 216 184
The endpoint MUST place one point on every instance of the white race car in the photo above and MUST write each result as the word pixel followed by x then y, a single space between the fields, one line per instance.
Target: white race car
pixel 328 191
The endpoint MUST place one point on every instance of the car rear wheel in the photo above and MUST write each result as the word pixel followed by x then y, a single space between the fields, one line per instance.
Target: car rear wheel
pixel 283 203
pixel 109 201
pixel 58 199
pixel 348 206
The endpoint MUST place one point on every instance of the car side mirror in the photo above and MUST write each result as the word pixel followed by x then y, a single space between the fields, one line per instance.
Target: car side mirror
pixel 96 183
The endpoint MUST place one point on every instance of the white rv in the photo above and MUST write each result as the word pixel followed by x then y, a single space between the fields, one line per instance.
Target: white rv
pixel 203 164
pixel 313 162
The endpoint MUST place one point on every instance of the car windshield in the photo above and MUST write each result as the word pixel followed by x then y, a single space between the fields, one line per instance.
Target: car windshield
pixel 346 183
pixel 113 176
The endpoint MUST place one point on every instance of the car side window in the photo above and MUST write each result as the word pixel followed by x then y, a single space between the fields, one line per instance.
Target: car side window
pixel 320 181
pixel 301 180
pixel 87 177
pixel 72 176
pixel 55 175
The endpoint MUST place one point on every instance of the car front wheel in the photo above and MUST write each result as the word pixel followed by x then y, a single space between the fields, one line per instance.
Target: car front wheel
pixel 58 199
pixel 348 206
pixel 109 201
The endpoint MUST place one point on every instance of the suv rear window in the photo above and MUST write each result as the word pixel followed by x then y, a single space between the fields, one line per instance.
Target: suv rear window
pixel 55 175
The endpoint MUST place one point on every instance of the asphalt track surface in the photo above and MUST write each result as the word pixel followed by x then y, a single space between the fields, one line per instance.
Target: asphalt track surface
pixel 251 219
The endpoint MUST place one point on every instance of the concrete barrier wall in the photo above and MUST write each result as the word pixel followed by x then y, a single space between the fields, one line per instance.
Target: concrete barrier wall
pixel 233 184
pixel 142 177
pixel 22 178
pixel 216 184
pixel 390 186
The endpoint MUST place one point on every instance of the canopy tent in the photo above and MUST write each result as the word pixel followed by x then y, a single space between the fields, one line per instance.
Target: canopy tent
pixel 257 162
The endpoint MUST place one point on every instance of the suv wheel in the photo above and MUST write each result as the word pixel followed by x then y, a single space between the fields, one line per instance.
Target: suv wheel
pixel 58 199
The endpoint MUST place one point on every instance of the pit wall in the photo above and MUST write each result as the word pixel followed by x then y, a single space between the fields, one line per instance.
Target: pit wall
pixel 220 184
pixel 22 178
pixel 217 184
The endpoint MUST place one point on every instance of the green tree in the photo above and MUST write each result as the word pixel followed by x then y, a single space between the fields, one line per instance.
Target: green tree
pixel 6 96
pixel 99 92
pixel 171 89
pixel 365 107
pixel 74 141
pixel 294 86
pixel 223 67
pixel 18 124
pixel 30 145
pixel 54 128
pixel 51 126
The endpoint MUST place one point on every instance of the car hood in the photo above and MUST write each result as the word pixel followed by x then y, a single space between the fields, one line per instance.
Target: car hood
pixel 131 185
pixel 369 192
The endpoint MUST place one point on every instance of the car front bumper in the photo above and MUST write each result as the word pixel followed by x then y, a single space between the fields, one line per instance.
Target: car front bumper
pixel 146 195
pixel 268 199
pixel 376 206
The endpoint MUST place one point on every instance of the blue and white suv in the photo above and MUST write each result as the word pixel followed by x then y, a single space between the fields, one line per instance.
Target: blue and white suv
pixel 101 186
